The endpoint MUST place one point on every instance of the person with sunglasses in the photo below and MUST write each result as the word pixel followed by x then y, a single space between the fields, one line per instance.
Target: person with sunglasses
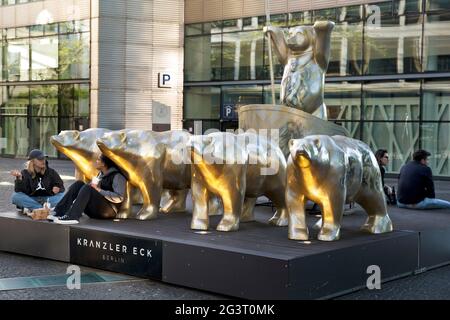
pixel 383 161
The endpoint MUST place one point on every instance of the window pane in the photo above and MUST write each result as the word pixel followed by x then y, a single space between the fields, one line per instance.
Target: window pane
pixel 82 25
pixel 74 56
pixel 202 103
pixel 3 54
pixel 194 29
pixel 15 100
pixel 392 101
pixel 299 18
pixel 343 101
pixel 350 13
pixel 434 5
pixel 44 100
pixel 435 138
pixel 51 29
pixel 16 133
pixel 22 32
pixel 212 27
pixel 18 60
pixel 37 31
pixel 66 100
pixel 81 100
pixel 242 95
pixel 436 101
pixel 278 68
pixel 346 50
pixel 325 14
pixel 202 58
pixel 267 94
pixel 393 46
pixel 399 139
pixel 41 131
pixel 44 58
pixel 242 56
pixel 437 45
pixel 66 27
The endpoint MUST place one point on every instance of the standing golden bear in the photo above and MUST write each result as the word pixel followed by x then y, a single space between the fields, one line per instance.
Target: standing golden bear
pixel 238 168
pixel 332 171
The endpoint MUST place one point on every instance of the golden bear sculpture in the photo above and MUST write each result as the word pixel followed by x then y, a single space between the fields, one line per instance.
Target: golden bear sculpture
pixel 238 168
pixel 332 171
pixel 81 148
pixel 305 54
pixel 146 157
pixel 156 164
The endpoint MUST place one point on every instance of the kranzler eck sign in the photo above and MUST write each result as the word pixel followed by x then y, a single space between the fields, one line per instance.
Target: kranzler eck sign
pixel 114 252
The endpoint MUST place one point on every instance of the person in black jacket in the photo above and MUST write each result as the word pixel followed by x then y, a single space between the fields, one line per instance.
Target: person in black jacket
pixel 416 187
pixel 382 157
pixel 36 184
pixel 100 199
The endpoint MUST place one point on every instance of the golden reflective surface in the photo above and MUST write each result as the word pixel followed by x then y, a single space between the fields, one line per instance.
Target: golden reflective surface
pixel 147 157
pixel 81 148
pixel 333 171
pixel 237 168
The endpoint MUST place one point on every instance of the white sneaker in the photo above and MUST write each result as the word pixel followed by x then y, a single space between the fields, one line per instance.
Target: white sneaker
pixel 27 211
pixel 65 220
pixel 52 217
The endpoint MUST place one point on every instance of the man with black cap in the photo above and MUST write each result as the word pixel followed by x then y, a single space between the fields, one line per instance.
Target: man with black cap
pixel 415 185
pixel 36 184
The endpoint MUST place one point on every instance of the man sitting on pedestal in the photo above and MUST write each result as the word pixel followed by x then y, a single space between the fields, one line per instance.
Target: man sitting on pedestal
pixel 416 187
pixel 36 184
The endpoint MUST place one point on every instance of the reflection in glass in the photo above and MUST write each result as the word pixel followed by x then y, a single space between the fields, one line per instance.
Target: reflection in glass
pixel 202 103
pixel 16 133
pixel 343 101
pixel 435 138
pixel 346 50
pixel 393 46
pixel 18 60
pixel 389 101
pixel 74 56
pixel 242 56
pixel 44 101
pixel 434 5
pixel 202 58
pixel 436 45
pixel 267 94
pixel 44 58
pixel 299 18
pixel 15 100
pixel 436 101
pixel 242 95
pixel 41 131
pixel 399 139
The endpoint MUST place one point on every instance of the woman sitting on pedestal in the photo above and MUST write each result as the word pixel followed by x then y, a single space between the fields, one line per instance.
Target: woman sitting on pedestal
pixel 101 199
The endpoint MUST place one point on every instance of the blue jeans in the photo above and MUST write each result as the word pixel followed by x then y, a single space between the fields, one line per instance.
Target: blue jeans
pixel 22 200
pixel 427 203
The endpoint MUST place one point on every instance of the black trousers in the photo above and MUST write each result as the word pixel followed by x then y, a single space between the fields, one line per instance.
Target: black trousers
pixel 81 198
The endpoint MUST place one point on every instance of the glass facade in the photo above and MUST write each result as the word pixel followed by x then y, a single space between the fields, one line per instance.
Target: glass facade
pixel 44 85
pixel 13 2
pixel 388 80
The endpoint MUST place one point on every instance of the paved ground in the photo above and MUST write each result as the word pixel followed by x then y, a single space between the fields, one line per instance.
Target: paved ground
pixel 430 285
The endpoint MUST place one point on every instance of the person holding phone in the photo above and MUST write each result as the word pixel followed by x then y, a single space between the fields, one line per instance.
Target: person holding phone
pixel 100 199
pixel 36 184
